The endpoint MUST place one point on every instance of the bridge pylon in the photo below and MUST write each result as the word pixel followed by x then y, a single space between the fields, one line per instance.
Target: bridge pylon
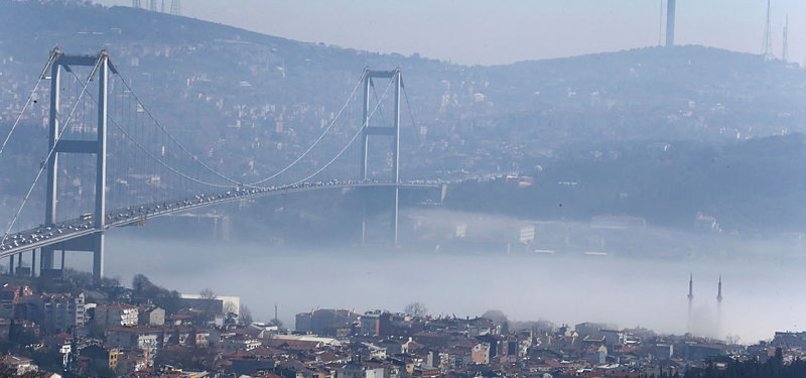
pixel 393 132
pixel 101 68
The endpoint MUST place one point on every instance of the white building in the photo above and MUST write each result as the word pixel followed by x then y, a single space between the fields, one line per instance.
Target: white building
pixel 116 315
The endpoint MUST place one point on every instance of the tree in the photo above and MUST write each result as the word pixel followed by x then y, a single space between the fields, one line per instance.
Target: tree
pixel 144 291
pixel 140 283
pixel 497 316
pixel 207 293
pixel 245 315
pixel 732 339
pixel 416 309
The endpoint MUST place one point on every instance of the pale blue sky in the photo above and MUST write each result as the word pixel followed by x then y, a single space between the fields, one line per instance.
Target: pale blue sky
pixel 503 31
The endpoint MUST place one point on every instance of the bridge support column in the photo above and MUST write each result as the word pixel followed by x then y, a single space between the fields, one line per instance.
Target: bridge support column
pixel 33 263
pixel 46 259
pixel 364 222
pixel 97 257
pixel 88 243
pixel 94 242
pixel 11 265
pixel 394 132
pixel 396 215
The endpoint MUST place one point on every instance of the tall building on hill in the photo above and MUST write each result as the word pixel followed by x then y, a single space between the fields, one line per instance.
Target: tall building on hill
pixel 670 16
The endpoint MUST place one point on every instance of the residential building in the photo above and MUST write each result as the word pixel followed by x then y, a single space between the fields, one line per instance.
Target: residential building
pixel 140 338
pixel 116 315
pixel 325 322
pixel 20 365
pixel 481 354
pixel 62 312
pixel 151 316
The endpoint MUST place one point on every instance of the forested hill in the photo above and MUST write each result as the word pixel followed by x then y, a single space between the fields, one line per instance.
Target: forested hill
pixel 184 65
pixel 251 102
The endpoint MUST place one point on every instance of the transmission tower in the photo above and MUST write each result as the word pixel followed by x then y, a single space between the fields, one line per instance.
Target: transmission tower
pixel 660 25
pixel 135 3
pixel 785 50
pixel 670 19
pixel 767 46
pixel 176 8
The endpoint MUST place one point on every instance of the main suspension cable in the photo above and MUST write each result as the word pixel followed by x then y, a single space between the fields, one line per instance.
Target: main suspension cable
pixel 44 164
pixel 319 139
pixel 151 154
pixel 52 58
pixel 360 130
pixel 173 139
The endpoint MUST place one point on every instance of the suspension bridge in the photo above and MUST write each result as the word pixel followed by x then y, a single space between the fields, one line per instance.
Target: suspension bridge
pixel 109 130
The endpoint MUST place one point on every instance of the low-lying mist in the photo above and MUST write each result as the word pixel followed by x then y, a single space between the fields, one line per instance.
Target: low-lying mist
pixel 556 278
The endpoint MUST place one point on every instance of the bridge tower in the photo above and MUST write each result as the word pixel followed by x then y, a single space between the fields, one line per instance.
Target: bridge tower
pixel 93 242
pixel 394 132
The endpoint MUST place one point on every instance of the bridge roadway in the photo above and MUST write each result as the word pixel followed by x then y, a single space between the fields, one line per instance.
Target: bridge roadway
pixel 46 235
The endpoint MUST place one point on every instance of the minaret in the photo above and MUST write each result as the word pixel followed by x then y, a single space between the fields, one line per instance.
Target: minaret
pixel 690 298
pixel 690 288
pixel 719 307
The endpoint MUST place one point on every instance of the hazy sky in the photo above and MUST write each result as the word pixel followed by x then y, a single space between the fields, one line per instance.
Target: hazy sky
pixel 503 31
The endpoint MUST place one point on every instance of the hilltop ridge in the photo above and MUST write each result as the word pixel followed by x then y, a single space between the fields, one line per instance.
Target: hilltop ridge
pixel 253 102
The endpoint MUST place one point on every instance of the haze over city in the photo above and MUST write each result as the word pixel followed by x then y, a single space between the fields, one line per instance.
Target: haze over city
pixel 402 188
pixel 506 31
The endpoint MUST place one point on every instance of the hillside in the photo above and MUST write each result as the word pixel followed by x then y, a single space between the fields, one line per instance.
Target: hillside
pixel 253 102
pixel 748 186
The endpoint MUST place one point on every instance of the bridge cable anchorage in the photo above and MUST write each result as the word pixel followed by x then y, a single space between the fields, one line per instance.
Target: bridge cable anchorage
pixel 50 153
pixel 151 154
pixel 319 139
pixel 357 134
pixel 171 137
pixel 55 53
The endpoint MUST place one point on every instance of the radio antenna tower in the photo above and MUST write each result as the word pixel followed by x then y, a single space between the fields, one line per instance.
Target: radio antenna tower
pixel 176 8
pixel 670 16
pixel 660 25
pixel 767 48
pixel 135 3
pixel 785 52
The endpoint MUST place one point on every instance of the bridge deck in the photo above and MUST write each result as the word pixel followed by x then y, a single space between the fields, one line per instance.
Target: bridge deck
pixel 46 235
